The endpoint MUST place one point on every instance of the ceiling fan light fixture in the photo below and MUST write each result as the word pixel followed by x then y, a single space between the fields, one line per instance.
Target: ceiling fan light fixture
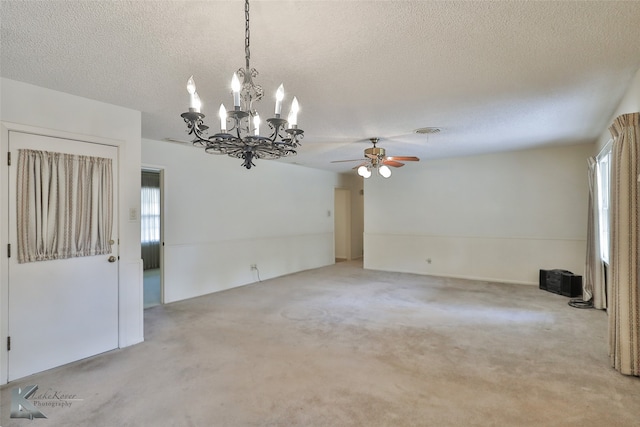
pixel 376 158
pixel 364 172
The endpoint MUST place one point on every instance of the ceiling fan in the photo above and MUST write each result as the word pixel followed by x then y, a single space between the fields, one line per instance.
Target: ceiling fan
pixel 375 158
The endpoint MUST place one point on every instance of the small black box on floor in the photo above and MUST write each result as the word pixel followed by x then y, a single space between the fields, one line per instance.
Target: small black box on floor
pixel 561 282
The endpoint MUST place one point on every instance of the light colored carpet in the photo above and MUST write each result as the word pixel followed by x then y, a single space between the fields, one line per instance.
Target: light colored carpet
pixel 341 346
pixel 151 285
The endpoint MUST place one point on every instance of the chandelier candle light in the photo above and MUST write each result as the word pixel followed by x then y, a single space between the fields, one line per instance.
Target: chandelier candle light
pixel 240 128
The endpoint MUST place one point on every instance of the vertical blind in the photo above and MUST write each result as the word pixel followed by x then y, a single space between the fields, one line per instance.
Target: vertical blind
pixel 64 205
pixel 150 219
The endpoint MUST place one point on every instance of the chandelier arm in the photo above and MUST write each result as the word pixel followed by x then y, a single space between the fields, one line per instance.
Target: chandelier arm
pixel 196 127
pixel 237 126
pixel 276 124
pixel 199 134
pixel 234 126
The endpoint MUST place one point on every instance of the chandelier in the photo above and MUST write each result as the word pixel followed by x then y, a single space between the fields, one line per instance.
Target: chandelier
pixel 239 134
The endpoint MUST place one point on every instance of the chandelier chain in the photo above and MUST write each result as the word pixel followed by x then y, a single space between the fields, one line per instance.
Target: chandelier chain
pixel 247 52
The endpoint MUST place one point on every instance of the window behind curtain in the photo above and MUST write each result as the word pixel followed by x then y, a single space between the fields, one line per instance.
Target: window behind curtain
pixel 604 168
pixel 150 219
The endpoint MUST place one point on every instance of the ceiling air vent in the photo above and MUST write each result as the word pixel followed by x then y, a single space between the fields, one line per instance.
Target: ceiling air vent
pixel 427 130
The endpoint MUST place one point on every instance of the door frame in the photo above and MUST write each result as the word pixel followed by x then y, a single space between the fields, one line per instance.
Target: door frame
pixel 5 128
pixel 161 171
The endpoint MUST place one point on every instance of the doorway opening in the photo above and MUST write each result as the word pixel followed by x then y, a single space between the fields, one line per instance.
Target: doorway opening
pixel 151 240
pixel 342 224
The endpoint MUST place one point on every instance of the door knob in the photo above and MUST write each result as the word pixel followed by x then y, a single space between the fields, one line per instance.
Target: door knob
pixel 112 259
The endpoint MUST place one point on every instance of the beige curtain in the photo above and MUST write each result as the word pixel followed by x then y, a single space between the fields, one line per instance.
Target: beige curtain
pixel 624 308
pixel 64 205
pixel 594 284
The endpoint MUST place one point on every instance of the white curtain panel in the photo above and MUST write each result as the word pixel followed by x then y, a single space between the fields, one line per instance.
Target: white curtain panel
pixel 624 308
pixel 64 205
pixel 150 219
pixel 594 284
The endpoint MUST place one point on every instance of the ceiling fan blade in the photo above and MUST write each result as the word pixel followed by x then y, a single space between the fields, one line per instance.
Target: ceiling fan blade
pixel 371 156
pixel 361 164
pixel 404 158
pixel 392 163
pixel 352 160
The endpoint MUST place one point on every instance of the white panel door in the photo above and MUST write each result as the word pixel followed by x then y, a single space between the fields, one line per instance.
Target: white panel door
pixel 59 310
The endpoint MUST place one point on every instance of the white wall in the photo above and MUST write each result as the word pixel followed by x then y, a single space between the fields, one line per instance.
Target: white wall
pixel 630 103
pixel 48 111
pixel 498 217
pixel 220 218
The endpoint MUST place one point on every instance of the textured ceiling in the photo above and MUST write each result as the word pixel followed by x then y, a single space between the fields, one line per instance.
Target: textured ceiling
pixel 492 75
